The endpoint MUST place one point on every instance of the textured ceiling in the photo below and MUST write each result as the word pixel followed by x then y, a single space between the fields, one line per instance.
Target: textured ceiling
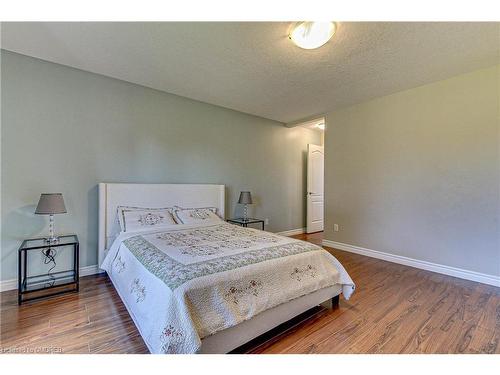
pixel 254 68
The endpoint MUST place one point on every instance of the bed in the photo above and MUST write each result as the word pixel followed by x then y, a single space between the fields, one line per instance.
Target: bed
pixel 207 286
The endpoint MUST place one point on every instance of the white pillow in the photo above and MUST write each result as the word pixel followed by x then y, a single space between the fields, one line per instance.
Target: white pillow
pixel 196 215
pixel 140 218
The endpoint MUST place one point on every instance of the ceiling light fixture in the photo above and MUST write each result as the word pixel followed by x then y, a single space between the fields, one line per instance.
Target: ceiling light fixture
pixel 310 35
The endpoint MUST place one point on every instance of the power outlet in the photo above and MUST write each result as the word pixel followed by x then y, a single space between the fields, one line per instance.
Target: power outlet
pixel 335 227
pixel 266 221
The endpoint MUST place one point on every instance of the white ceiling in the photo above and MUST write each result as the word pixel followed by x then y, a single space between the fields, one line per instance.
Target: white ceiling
pixel 254 68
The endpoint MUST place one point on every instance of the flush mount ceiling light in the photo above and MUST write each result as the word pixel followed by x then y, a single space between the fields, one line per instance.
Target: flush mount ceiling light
pixel 310 35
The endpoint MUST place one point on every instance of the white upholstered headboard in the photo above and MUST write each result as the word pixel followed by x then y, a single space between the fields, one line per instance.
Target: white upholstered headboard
pixel 150 195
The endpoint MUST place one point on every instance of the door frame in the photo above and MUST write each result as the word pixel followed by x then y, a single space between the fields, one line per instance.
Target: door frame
pixel 309 194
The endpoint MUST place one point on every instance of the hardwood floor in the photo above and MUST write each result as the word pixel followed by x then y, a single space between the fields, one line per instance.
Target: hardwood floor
pixel 395 309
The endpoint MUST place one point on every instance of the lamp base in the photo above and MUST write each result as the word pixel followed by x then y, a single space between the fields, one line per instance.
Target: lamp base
pixel 52 240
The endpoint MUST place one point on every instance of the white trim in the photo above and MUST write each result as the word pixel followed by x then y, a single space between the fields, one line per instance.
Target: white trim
pixel 8 285
pixel 90 270
pixel 292 232
pixel 421 264
pixel 84 271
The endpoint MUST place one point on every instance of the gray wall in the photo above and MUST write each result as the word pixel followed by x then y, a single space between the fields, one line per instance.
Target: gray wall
pixel 65 130
pixel 417 173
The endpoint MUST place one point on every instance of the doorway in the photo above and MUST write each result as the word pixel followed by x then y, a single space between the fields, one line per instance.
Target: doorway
pixel 315 188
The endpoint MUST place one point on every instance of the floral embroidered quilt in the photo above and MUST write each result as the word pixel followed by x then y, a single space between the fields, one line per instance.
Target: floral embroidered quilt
pixel 191 281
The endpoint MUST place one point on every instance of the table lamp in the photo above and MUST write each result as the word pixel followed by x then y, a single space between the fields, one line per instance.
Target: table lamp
pixel 51 204
pixel 246 199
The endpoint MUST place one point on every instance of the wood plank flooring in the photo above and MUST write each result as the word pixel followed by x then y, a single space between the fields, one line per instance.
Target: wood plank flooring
pixel 395 309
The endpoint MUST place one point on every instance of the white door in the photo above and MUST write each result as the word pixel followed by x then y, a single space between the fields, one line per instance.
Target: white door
pixel 315 182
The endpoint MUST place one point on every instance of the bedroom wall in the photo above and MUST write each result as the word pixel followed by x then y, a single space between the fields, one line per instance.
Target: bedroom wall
pixel 417 173
pixel 65 130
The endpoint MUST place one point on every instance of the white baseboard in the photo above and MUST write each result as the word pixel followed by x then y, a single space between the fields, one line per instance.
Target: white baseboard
pixel 84 271
pixel 8 285
pixel 421 264
pixel 89 270
pixel 292 232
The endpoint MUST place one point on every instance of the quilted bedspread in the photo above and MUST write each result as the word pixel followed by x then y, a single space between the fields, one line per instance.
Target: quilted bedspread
pixel 185 283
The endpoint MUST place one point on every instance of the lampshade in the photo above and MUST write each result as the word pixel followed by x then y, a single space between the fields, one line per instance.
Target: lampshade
pixel 245 198
pixel 50 204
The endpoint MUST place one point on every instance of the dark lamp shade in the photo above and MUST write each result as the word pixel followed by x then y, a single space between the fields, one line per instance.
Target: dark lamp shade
pixel 50 204
pixel 245 198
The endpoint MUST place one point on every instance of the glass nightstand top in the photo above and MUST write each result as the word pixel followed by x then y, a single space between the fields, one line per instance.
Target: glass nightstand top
pixel 36 243
pixel 249 220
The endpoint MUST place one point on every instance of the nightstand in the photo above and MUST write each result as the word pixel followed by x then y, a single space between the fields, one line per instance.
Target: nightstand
pixel 244 222
pixel 31 287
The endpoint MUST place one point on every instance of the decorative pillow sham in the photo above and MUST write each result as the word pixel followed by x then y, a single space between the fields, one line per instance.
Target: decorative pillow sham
pixel 196 215
pixel 139 218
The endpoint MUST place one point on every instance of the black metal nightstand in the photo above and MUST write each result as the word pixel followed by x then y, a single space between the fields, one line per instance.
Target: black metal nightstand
pixel 244 222
pixel 58 281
